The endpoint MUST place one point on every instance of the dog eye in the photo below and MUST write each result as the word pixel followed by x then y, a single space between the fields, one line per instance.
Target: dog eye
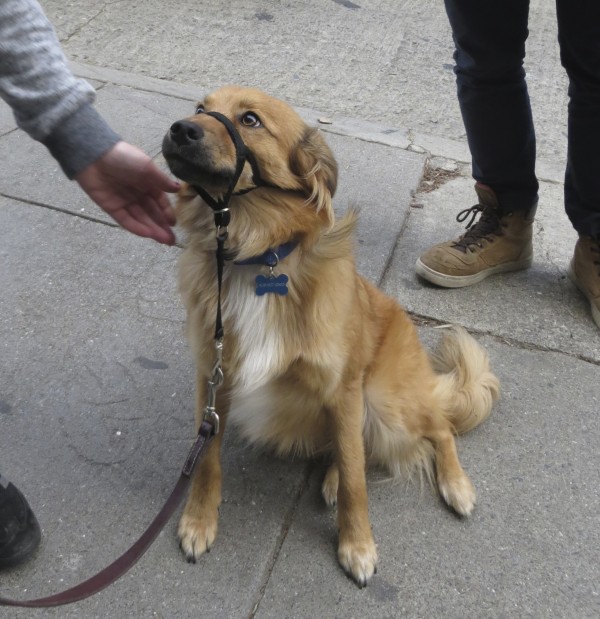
pixel 200 109
pixel 250 119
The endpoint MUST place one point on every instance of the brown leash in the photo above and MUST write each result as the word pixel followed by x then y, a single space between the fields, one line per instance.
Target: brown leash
pixel 116 569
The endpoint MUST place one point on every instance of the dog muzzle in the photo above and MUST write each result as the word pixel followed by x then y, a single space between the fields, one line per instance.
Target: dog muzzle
pixel 242 155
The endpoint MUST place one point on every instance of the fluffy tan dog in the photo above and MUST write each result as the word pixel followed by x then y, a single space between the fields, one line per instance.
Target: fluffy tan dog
pixel 334 366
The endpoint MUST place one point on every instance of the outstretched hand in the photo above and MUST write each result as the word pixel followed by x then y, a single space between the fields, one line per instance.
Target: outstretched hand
pixel 127 185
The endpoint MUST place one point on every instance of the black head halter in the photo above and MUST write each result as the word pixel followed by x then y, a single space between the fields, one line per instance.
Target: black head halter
pixel 242 154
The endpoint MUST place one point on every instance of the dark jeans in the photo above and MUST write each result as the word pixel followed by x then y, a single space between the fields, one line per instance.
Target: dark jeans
pixel 489 36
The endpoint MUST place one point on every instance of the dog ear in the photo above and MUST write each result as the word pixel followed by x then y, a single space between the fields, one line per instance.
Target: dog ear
pixel 316 168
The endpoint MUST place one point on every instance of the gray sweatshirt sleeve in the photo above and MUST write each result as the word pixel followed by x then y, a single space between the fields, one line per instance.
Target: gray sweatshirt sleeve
pixel 48 101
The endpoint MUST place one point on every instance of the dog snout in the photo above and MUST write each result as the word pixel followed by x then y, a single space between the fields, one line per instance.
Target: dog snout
pixel 185 133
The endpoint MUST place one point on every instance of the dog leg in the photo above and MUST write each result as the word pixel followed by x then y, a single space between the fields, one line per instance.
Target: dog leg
pixel 198 524
pixel 357 552
pixel 454 485
pixel 329 489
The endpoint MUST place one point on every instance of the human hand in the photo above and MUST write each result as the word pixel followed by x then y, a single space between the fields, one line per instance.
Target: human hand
pixel 126 184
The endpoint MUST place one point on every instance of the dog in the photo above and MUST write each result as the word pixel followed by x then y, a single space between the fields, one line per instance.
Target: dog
pixel 334 366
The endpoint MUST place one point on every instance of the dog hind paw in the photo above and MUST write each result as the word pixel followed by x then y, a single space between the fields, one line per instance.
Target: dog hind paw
pixel 329 489
pixel 459 494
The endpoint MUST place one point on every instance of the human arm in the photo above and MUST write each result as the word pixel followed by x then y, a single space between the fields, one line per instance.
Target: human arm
pixel 55 108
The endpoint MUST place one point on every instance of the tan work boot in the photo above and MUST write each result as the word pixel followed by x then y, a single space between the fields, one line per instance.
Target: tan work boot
pixel 495 244
pixel 584 271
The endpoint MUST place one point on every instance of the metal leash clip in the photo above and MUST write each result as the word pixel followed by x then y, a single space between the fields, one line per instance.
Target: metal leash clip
pixel 210 413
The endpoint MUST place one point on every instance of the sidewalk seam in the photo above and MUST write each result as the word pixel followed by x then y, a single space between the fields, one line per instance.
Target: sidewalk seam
pixel 288 520
pixel 390 259
pixel 421 320
pixel 59 210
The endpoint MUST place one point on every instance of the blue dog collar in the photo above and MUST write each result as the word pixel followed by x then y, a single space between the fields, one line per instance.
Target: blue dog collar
pixel 272 256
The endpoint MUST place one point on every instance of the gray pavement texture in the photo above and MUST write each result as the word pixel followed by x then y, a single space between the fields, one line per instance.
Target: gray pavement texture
pixel 96 387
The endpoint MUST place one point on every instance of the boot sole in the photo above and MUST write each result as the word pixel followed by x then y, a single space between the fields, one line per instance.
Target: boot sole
pixel 23 545
pixel 460 281
pixel 25 550
pixel 584 292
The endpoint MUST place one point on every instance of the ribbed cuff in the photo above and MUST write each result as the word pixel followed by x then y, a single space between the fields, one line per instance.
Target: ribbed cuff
pixel 82 138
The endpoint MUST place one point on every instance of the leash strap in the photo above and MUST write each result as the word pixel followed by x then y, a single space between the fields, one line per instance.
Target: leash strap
pixel 128 559
pixel 221 238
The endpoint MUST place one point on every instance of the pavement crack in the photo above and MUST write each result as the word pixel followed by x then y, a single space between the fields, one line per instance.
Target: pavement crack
pixel 58 209
pixel 77 30
pixel 283 533
pixel 390 259
pixel 421 320
pixel 8 132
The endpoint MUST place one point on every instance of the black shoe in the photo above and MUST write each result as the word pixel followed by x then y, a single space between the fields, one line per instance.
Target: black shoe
pixel 19 529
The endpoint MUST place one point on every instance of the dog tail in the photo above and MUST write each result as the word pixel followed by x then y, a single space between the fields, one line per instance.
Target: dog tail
pixel 466 383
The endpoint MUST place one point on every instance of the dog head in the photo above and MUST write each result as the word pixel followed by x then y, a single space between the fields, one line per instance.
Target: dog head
pixel 289 155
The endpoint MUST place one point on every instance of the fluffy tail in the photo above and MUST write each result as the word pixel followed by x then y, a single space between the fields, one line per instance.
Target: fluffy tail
pixel 466 383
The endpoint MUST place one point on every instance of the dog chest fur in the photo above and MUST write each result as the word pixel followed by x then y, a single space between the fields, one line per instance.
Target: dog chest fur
pixel 260 347
pixel 279 377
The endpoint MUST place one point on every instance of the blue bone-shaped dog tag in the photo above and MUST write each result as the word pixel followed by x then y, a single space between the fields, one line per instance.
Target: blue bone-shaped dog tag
pixel 271 285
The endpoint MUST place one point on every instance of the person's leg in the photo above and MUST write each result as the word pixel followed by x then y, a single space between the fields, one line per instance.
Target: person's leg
pixel 492 94
pixel 19 530
pixel 579 38
pixel 490 46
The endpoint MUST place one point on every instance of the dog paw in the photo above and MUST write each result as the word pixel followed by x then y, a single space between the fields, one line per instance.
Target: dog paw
pixel 196 535
pixel 459 494
pixel 329 489
pixel 359 560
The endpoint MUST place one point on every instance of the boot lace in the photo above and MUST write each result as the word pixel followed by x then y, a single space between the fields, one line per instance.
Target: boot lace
pixel 489 224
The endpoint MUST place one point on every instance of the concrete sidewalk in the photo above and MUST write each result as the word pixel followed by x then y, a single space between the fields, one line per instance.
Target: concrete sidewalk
pixel 96 388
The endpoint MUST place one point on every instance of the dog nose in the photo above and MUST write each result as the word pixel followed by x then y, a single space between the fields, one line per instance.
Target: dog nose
pixel 184 132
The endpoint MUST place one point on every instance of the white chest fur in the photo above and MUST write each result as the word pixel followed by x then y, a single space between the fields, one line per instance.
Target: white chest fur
pixel 260 347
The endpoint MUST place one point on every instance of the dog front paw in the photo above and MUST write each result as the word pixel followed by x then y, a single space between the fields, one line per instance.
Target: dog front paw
pixel 197 534
pixel 359 560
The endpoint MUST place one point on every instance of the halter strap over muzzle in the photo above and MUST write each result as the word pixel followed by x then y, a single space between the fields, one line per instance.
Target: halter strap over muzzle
pixel 242 155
